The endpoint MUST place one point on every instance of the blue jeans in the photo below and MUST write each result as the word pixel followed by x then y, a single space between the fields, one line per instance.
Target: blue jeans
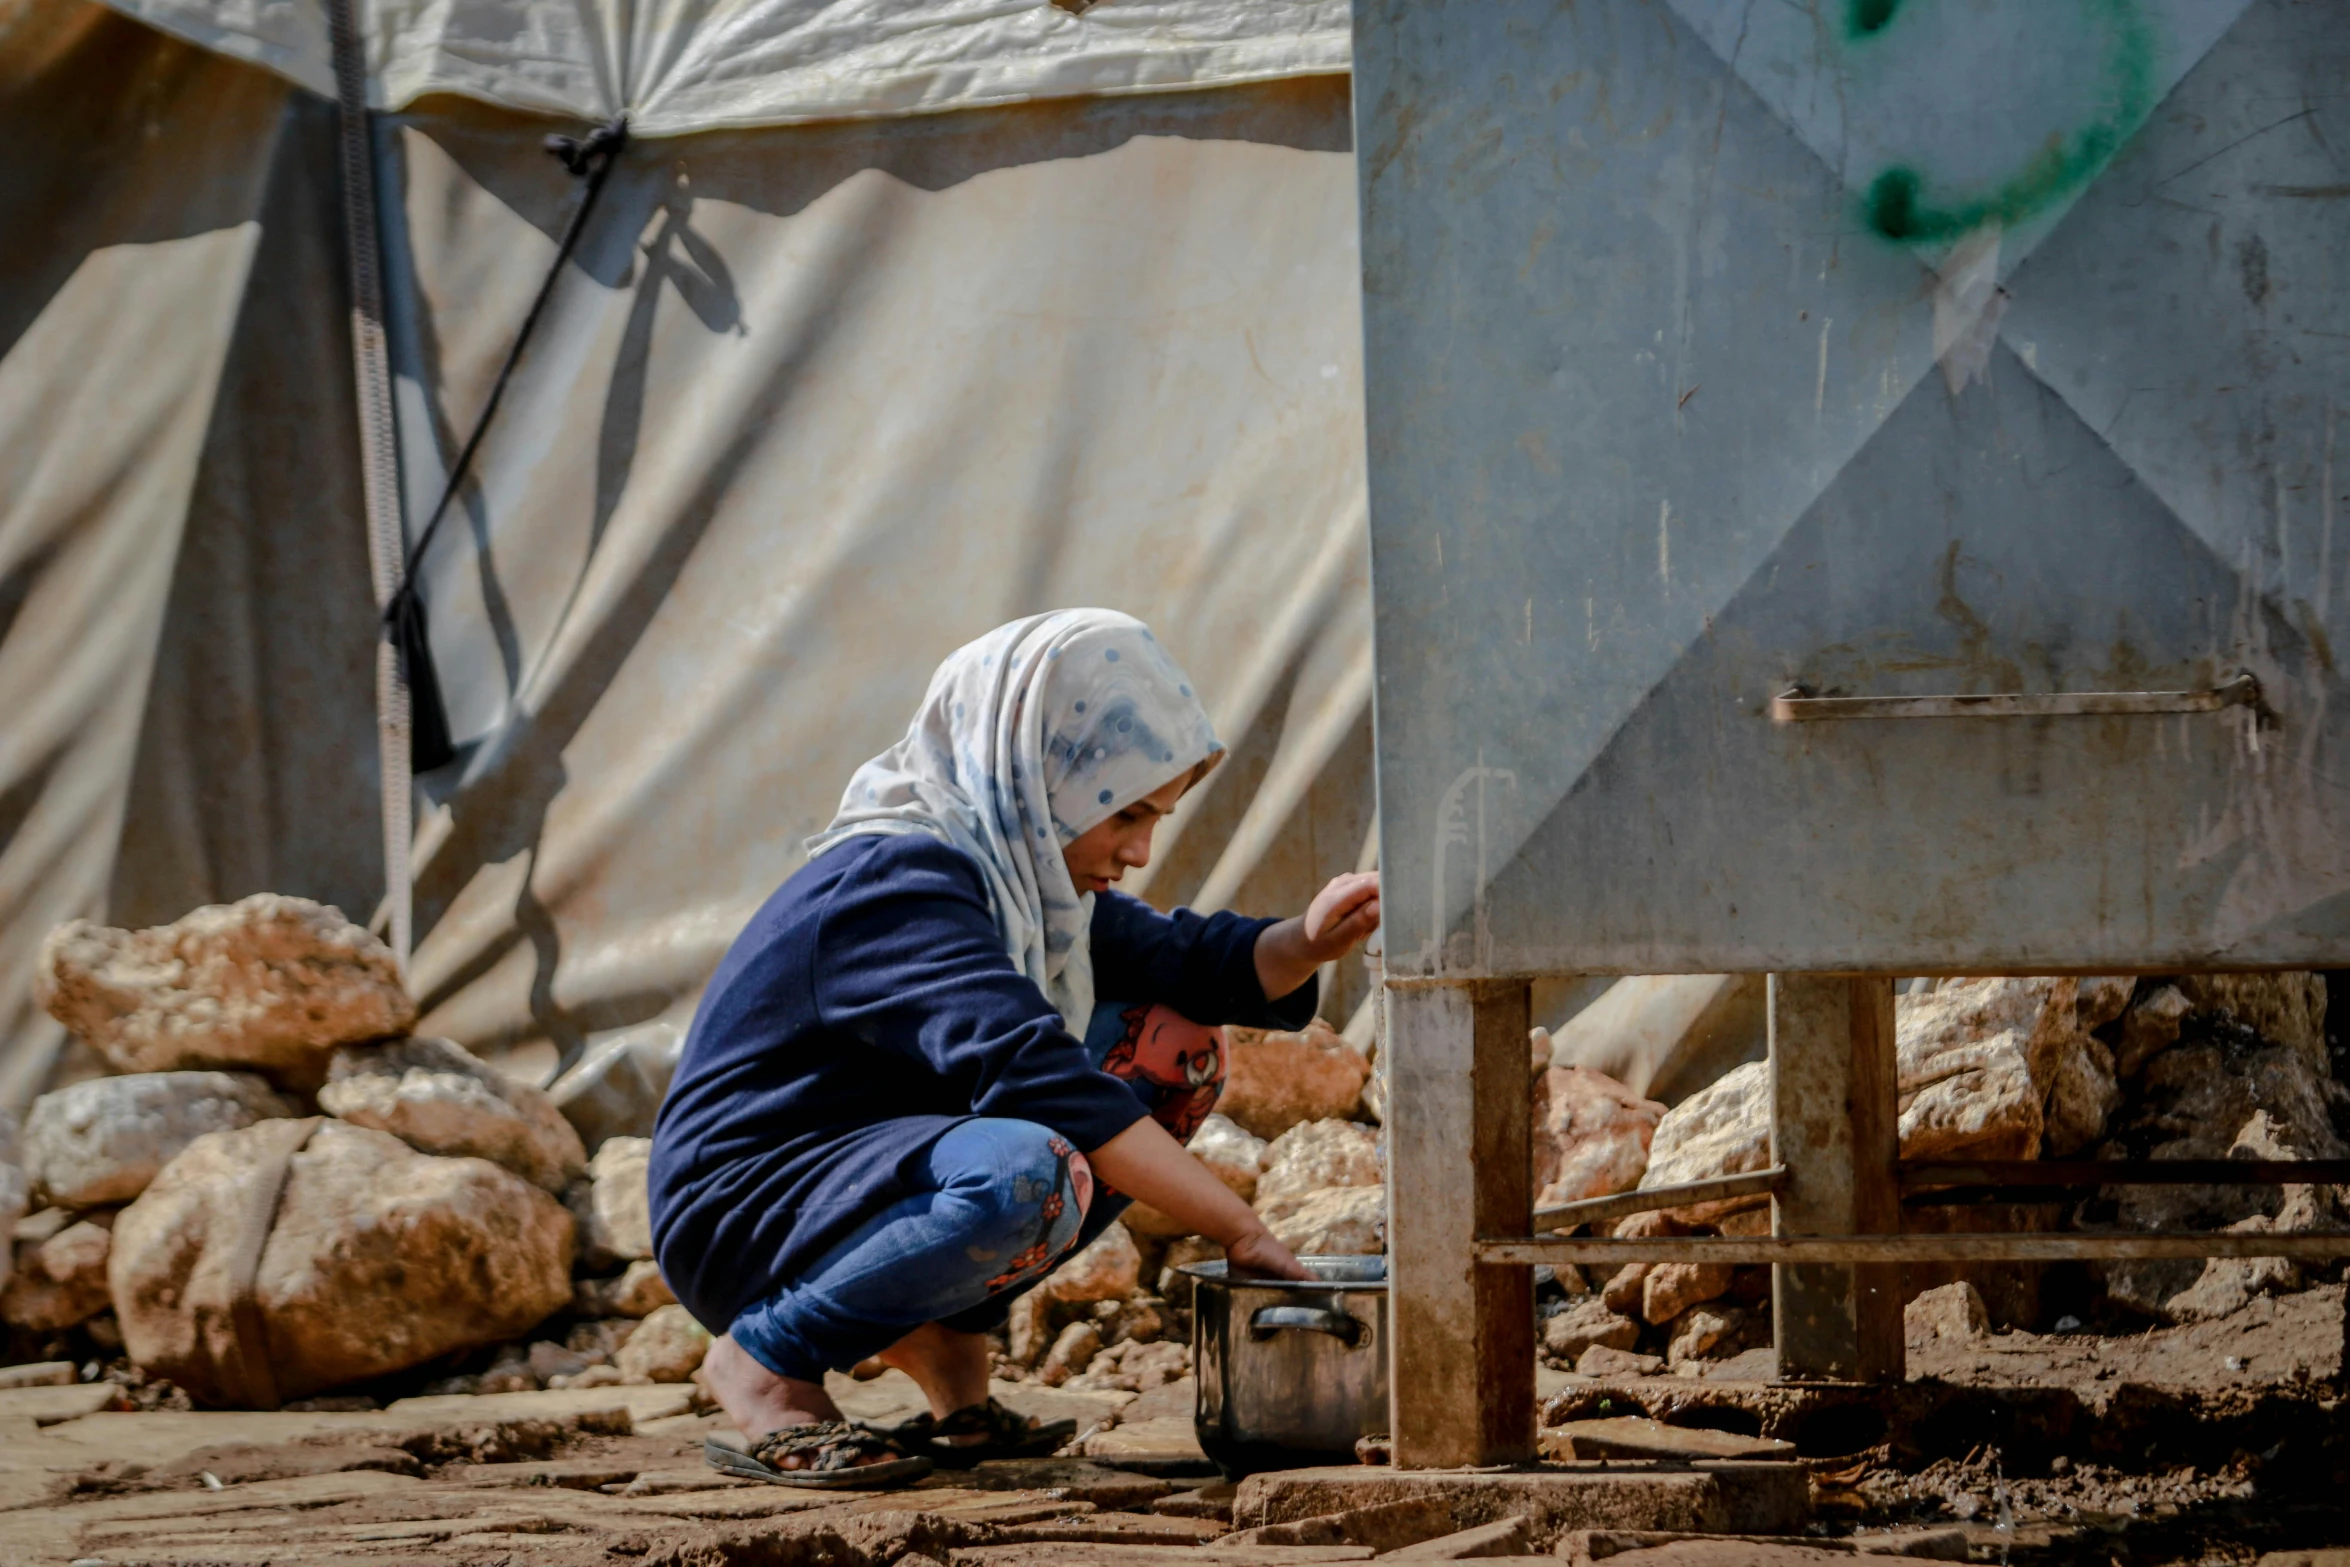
pixel 998 1205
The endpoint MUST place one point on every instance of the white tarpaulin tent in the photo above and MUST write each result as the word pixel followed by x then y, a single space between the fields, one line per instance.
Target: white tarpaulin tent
pixel 811 405
pixel 675 66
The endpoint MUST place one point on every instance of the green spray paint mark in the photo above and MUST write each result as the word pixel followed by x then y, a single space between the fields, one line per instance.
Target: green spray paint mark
pixel 1867 18
pixel 1900 207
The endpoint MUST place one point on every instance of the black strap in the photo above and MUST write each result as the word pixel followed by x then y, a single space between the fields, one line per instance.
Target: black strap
pixel 590 158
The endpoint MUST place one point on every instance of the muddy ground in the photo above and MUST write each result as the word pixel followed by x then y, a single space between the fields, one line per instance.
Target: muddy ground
pixel 2213 1443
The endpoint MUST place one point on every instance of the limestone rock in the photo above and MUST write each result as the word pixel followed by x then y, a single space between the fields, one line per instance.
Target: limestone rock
pixel 1602 1361
pixel 549 1360
pixel 614 1206
pixel 1653 1226
pixel 1234 1154
pixel 1273 1081
pixel 1345 1221
pixel 1746 1221
pixel 638 1292
pixel 599 1341
pixel 59 1282
pixel 1585 1323
pixel 1705 1331
pixel 2101 998
pixel 1626 1288
pixel 1110 1268
pixel 1955 1312
pixel 2082 1095
pixel 1591 1135
pixel 1673 1287
pixel 1976 1059
pixel 2210 1100
pixel 1133 1367
pixel 1029 1332
pixel 1230 1153
pixel 379 1258
pixel 102 1140
pixel 2286 1009
pixel 438 1097
pixel 1138 1321
pixel 271 983
pixel 2150 1027
pixel 1315 1156
pixel 1723 1129
pixel 1987 1068
pixel 1989 1108
pixel 1071 1353
pixel 2228 1284
pixel 666 1347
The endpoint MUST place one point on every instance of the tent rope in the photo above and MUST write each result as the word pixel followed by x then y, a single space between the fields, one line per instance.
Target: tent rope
pixel 379 463
pixel 589 158
pixel 412 726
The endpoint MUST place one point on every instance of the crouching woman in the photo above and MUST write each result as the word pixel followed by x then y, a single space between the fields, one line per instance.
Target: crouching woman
pixel 946 1053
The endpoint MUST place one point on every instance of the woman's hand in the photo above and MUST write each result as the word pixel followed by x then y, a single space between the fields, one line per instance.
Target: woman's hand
pixel 1334 924
pixel 1258 1255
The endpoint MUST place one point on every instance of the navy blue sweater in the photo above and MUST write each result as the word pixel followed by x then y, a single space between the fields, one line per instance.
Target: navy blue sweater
pixel 867 1008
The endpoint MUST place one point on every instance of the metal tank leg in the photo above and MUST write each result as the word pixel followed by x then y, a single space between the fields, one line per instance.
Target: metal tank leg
pixel 1834 1125
pixel 1461 1350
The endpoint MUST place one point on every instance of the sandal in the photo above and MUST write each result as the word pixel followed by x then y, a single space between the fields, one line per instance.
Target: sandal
pixel 1003 1433
pixel 835 1450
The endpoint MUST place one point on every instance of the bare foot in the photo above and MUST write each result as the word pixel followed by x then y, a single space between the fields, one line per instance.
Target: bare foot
pixel 755 1398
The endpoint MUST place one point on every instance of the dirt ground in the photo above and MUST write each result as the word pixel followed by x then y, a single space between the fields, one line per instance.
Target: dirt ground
pixel 2213 1443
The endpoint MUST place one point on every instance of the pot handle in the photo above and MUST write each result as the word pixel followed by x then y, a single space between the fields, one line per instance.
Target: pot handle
pixel 1270 1320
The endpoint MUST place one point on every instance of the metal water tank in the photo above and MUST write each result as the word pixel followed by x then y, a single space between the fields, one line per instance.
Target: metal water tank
pixel 1855 484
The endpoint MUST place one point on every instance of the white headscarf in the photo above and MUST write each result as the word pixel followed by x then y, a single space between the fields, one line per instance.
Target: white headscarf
pixel 1026 738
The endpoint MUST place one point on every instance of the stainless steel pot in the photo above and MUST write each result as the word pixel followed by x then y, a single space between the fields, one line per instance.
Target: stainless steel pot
pixel 1290 1373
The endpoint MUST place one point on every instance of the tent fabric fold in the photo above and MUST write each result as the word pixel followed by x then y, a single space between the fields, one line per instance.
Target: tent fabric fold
pixel 679 66
pixel 810 406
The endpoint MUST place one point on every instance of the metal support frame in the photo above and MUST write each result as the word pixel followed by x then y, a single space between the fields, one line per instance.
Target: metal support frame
pixel 1460 1168
pixel 1835 1127
pixel 1463 1234
pixel 1654 1199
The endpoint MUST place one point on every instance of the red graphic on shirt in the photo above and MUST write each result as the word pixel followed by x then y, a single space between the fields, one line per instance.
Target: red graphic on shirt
pixel 1182 1060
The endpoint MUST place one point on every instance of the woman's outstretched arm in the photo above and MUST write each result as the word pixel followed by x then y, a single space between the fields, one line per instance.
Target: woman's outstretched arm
pixel 1149 1165
pixel 1342 914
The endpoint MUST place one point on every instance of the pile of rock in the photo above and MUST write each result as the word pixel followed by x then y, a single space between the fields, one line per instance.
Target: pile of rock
pixel 283 1192
pixel 2219 1067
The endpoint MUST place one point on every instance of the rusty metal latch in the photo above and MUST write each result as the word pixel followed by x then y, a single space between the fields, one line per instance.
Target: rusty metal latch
pixel 1798 706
